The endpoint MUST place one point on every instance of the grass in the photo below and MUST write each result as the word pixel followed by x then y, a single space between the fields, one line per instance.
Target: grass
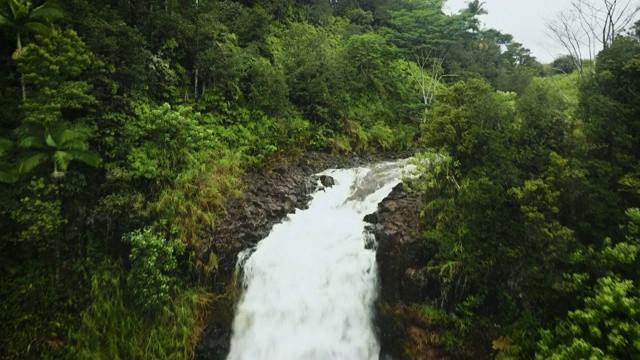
pixel 567 85
pixel 112 329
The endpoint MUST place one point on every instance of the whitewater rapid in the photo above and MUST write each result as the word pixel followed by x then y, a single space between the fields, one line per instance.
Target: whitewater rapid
pixel 310 286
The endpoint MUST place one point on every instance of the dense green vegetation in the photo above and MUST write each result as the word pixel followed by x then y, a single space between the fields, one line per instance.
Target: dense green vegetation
pixel 126 124
pixel 531 211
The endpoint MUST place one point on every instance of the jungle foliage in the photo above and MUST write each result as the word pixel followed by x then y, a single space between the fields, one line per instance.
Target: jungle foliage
pixel 125 125
pixel 531 214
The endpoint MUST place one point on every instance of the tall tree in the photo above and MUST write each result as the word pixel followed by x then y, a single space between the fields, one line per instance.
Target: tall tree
pixel 25 19
pixel 474 9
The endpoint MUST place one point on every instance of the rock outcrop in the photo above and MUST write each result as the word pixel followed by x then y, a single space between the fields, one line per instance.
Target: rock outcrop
pixel 400 256
pixel 396 225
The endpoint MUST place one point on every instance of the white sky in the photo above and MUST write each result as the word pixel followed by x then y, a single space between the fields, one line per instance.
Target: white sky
pixel 524 19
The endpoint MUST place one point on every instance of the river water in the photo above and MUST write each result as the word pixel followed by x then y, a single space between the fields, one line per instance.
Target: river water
pixel 310 286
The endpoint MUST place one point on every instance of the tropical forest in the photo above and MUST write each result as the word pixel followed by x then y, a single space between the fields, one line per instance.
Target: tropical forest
pixel 131 131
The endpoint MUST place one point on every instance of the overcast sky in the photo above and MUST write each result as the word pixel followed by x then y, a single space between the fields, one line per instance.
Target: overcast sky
pixel 524 19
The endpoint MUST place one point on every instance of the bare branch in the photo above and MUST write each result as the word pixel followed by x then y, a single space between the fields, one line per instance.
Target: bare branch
pixel 590 26
pixel 428 83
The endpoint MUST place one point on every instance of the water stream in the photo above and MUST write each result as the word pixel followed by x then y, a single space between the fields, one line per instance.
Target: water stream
pixel 310 286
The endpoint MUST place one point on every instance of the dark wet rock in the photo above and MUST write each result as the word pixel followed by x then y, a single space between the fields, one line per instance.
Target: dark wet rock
pixel 415 284
pixel 370 242
pixel 408 335
pixel 403 279
pixel 327 181
pixel 214 348
pixel 399 235
pixel 371 218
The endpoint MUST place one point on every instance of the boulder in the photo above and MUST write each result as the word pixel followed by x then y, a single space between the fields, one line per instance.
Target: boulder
pixel 327 181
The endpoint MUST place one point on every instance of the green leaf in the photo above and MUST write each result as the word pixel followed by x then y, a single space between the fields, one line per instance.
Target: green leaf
pixel 38 28
pixel 32 142
pixel 90 158
pixel 49 140
pixel 47 10
pixel 62 159
pixel 30 162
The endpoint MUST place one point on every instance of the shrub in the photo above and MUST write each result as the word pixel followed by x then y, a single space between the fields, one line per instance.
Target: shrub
pixel 150 280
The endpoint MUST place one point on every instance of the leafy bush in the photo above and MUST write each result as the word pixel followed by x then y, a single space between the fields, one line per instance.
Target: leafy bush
pixel 605 324
pixel 177 155
pixel 381 135
pixel 404 136
pixel 39 216
pixel 607 327
pixel 151 280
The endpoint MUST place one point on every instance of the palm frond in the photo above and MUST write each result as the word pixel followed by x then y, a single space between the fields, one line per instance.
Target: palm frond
pixel 62 159
pixel 32 142
pixel 50 141
pixel 8 177
pixel 31 161
pixel 75 144
pixel 83 129
pixel 63 132
pixel 29 127
pixel 20 8
pixel 38 28
pixel 90 157
pixel 48 10
pixel 13 5
pixel 68 135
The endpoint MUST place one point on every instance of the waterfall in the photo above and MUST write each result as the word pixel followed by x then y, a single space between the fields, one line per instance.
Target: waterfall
pixel 310 286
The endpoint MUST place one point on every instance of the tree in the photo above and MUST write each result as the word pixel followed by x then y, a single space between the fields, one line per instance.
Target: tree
pixel 26 19
pixel 60 143
pixel 563 64
pixel 607 327
pixel 427 75
pixel 426 36
pixel 474 9
pixel 426 29
pixel 59 70
pixel 591 26
pixel 605 324
pixel 517 67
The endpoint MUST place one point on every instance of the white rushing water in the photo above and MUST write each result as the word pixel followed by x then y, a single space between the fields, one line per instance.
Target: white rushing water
pixel 311 284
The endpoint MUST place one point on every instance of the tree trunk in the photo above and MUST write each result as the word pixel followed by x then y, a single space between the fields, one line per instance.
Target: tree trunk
pixel 24 89
pixel 195 86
